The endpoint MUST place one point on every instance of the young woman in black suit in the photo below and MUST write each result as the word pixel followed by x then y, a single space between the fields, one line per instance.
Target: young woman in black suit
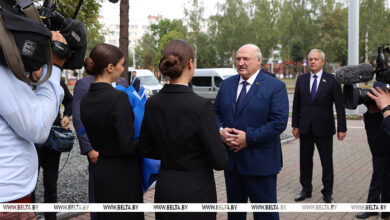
pixel 179 127
pixel 108 119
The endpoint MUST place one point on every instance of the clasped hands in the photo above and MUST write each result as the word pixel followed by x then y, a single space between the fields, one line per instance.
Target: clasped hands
pixel 235 139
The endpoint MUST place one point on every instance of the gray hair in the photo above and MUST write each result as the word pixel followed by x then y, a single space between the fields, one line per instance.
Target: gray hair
pixel 317 50
pixel 255 48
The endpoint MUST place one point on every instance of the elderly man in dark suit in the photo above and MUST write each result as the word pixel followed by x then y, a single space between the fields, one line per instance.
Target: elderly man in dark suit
pixel 252 111
pixel 313 122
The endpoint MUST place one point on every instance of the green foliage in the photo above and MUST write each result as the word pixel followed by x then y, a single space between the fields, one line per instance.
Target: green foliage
pixel 174 34
pixel 292 27
pixel 230 29
pixel 264 23
pixel 297 52
pixel 333 35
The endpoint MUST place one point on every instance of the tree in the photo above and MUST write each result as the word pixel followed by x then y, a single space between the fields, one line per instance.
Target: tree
pixel 174 34
pixel 297 53
pixel 204 50
pixel 157 38
pixel 298 20
pixel 124 34
pixel 333 35
pixel 165 26
pixel 265 18
pixel 147 45
pixel 230 30
pixel 374 28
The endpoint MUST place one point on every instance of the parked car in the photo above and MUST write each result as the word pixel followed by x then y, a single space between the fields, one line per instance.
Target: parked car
pixel 206 82
pixel 148 81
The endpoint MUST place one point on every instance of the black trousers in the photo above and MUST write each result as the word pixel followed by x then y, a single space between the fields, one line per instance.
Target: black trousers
pixel 49 160
pixel 325 149
pixel 375 190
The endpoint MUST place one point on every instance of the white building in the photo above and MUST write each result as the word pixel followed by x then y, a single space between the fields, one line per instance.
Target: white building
pixel 137 28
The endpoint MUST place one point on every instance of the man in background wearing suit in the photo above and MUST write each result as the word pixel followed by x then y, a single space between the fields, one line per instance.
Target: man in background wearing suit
pixel 313 122
pixel 135 82
pixel 252 111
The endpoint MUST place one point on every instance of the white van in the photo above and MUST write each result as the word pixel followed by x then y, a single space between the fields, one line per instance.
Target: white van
pixel 148 81
pixel 206 82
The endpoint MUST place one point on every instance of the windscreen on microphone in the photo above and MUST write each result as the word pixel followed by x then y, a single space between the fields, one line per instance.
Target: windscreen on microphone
pixel 354 73
pixel 113 1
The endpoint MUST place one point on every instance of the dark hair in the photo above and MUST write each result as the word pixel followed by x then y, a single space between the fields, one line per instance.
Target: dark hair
pixel 100 57
pixel 176 55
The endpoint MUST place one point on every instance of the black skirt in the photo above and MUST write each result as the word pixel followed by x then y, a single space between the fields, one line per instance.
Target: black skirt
pixel 193 186
pixel 118 180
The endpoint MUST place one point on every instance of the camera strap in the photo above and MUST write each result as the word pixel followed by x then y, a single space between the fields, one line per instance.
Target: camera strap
pixel 11 51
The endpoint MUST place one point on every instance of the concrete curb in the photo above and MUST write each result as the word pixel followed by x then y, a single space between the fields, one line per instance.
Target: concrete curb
pixel 285 141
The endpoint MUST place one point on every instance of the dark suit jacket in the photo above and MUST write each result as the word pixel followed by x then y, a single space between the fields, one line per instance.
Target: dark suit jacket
pixel 80 89
pixel 136 84
pixel 318 115
pixel 179 128
pixel 263 117
pixel 108 119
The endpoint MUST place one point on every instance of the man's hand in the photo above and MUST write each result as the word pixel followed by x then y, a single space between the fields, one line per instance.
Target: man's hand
pixel 295 132
pixel 381 97
pixel 56 36
pixel 341 135
pixel 93 156
pixel 65 122
pixel 237 140
pixel 37 74
pixel 226 134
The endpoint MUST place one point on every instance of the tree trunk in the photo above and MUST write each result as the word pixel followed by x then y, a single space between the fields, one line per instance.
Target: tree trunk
pixel 124 34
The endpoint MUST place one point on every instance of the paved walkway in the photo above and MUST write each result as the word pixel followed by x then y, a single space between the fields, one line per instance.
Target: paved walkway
pixel 352 168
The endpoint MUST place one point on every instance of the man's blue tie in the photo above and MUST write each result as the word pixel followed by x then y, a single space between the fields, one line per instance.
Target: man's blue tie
pixel 242 95
pixel 314 88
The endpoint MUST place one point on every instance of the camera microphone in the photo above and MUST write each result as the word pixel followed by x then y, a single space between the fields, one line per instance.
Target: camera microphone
pixel 354 73
pixel 113 1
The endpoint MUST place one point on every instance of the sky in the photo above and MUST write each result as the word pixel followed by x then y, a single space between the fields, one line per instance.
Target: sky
pixel 141 9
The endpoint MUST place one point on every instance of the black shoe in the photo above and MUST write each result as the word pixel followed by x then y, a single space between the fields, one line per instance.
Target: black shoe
pixel 363 215
pixel 302 196
pixel 328 199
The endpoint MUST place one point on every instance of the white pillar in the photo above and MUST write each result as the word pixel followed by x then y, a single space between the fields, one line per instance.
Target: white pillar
pixel 353 32
pixel 353 39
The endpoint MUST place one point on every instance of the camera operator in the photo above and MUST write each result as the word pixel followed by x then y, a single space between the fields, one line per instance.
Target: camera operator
pixel 376 141
pixel 382 99
pixel 25 118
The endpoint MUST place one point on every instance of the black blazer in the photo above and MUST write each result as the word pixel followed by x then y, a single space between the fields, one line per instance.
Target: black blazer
pixel 179 127
pixel 108 119
pixel 318 115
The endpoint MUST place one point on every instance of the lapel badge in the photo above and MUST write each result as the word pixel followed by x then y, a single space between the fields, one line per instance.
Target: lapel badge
pixel 257 83
pixel 323 80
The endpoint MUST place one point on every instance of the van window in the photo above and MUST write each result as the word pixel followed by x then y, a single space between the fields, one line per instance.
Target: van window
pixel 148 80
pixel 217 81
pixel 201 81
